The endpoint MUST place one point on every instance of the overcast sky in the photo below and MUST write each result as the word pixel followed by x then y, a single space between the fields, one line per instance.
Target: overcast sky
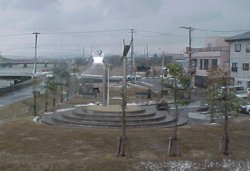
pixel 68 26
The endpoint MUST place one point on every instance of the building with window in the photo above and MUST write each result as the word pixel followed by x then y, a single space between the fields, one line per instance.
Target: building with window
pixel 240 59
pixel 214 54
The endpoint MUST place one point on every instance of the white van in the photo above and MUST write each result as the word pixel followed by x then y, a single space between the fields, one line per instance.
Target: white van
pixel 239 90
pixel 235 89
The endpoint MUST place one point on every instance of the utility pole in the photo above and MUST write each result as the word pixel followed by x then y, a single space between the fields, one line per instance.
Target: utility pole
pixel 147 62
pixel 35 60
pixel 132 31
pixel 123 139
pixel 83 52
pixel 147 50
pixel 190 29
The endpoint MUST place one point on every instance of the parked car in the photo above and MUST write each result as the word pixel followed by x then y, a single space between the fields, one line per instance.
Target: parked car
pixel 132 77
pixel 245 109
pixel 248 90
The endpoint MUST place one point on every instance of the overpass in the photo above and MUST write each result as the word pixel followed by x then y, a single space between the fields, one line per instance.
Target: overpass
pixel 86 78
pixel 17 72
pixel 16 75
pixel 26 63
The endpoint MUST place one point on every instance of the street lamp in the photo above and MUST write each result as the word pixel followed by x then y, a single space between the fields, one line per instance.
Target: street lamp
pixel 107 67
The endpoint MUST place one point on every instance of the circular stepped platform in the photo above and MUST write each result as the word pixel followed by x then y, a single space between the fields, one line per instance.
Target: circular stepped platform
pixel 110 116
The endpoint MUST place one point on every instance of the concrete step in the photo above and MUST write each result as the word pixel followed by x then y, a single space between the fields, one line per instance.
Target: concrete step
pixel 73 117
pixel 163 123
pixel 145 117
pixel 82 113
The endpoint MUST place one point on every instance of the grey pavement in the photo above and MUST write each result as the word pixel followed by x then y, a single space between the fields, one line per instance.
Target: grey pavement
pixel 16 96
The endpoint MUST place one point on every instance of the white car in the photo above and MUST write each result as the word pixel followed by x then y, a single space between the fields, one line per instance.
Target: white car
pixel 132 77
pixel 248 90
pixel 245 109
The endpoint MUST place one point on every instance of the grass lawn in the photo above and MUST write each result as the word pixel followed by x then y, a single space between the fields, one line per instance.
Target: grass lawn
pixel 25 145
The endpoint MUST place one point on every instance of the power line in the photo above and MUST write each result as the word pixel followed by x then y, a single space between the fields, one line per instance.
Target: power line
pixel 220 31
pixel 60 49
pixel 15 34
pixel 162 33
pixel 17 48
pixel 65 32
pixel 169 34
pixel 87 32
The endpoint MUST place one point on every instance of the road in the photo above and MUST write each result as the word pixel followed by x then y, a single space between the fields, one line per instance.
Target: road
pixel 16 96
pixel 154 83
pixel 198 99
pixel 198 95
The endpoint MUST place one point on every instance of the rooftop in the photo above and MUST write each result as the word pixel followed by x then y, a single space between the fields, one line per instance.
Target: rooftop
pixel 243 36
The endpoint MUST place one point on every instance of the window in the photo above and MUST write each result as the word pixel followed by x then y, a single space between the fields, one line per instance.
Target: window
pixel 248 47
pixel 194 63
pixel 214 63
pixel 206 63
pixel 201 64
pixel 245 66
pixel 234 67
pixel 237 47
pixel 239 83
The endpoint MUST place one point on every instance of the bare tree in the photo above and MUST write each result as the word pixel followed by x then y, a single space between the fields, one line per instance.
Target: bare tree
pixel 178 82
pixel 62 74
pixel 218 88
pixel 230 105
pixel 213 83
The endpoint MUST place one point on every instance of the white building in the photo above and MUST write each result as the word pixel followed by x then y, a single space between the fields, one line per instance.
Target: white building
pixel 215 53
pixel 240 59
